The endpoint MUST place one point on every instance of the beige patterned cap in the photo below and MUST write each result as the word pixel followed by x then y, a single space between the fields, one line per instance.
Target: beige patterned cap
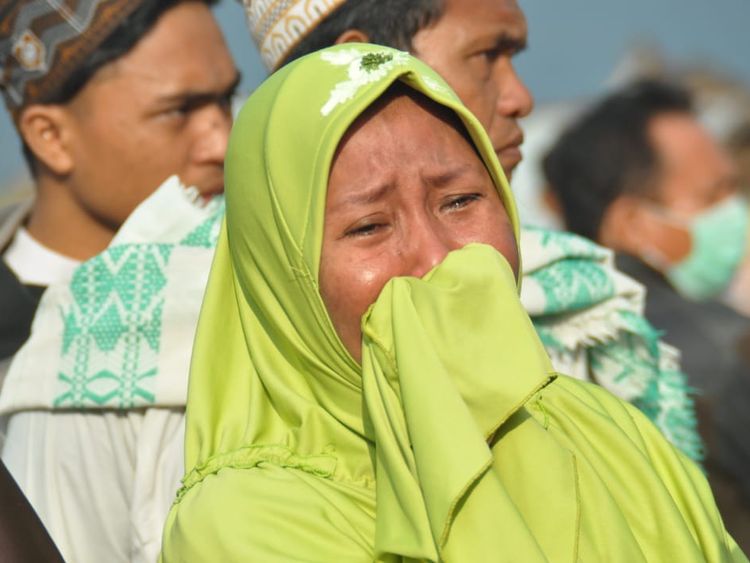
pixel 42 42
pixel 277 26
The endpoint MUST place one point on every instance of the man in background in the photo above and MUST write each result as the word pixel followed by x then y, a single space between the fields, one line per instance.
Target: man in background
pixel 109 98
pixel 640 174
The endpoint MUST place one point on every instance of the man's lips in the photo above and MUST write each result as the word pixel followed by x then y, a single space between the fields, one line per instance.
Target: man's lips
pixel 205 192
pixel 510 153
pixel 212 188
pixel 510 157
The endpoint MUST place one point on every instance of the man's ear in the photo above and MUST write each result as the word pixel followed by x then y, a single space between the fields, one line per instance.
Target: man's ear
pixel 621 225
pixel 353 36
pixel 46 131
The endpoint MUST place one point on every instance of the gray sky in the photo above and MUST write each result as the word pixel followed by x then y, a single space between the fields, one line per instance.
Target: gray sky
pixel 573 48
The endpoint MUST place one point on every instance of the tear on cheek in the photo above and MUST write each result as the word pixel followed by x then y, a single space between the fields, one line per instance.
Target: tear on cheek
pixel 369 278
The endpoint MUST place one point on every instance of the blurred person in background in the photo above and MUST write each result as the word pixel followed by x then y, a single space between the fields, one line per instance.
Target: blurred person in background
pixel 737 294
pixel 588 315
pixel 739 147
pixel 109 98
pixel 722 105
pixel 640 174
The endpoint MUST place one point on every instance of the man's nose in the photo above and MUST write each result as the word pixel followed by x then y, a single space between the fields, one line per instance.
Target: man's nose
pixel 428 246
pixel 515 99
pixel 212 136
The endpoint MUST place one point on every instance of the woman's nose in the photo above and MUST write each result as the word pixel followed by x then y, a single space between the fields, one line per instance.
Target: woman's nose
pixel 428 245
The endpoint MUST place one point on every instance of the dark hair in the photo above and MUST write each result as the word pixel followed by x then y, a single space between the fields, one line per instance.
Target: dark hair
pixel 392 23
pixel 607 152
pixel 122 39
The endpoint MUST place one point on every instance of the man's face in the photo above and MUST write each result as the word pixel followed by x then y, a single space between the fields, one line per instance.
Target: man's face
pixel 405 189
pixel 162 109
pixel 695 174
pixel 472 46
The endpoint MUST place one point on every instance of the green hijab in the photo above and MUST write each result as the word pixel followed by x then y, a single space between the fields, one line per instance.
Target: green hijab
pixel 452 441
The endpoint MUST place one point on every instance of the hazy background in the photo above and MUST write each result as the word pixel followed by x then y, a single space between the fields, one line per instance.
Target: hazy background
pixel 574 48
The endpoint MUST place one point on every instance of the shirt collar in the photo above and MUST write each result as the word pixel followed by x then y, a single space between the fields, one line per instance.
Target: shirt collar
pixel 35 264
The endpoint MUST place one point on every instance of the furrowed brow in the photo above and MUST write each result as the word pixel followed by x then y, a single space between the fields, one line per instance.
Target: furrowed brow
pixel 442 179
pixel 366 196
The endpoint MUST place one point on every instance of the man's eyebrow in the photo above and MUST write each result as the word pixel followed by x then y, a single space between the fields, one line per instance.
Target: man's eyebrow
pixel 508 43
pixel 201 96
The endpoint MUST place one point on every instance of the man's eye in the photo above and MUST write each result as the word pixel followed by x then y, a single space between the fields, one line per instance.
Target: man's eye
pixel 491 55
pixel 226 101
pixel 459 202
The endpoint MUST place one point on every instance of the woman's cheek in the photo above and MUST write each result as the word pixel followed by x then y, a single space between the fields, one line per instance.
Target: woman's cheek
pixel 367 281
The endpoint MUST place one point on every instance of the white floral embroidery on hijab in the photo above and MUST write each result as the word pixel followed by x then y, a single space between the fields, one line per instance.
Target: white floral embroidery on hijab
pixel 436 86
pixel 364 69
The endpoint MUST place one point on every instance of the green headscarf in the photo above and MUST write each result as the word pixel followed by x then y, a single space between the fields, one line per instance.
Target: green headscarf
pixel 453 440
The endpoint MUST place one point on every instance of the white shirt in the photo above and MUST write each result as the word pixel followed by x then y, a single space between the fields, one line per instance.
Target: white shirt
pixel 35 264
pixel 102 482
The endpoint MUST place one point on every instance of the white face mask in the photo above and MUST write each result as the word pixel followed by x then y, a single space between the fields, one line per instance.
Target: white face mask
pixel 718 241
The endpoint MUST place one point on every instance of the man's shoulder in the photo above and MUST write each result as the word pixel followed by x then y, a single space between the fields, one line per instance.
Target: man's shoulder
pixel 12 216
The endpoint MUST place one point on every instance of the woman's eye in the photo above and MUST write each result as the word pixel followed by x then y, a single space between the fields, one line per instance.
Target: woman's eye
pixel 178 112
pixel 459 202
pixel 364 230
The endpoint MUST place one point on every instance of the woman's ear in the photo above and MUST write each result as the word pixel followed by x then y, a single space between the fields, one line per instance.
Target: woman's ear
pixel 353 36
pixel 46 131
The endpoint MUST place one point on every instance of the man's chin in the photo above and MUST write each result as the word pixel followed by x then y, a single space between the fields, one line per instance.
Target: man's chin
pixel 509 159
pixel 508 169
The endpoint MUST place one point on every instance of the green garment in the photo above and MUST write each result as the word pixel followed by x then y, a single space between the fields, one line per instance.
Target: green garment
pixel 453 441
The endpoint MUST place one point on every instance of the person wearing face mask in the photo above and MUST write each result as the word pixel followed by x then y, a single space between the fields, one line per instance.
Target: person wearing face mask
pixel 638 173
pixel 737 294
pixel 366 384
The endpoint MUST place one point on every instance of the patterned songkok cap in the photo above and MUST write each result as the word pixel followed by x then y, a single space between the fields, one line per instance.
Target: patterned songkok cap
pixel 43 41
pixel 278 25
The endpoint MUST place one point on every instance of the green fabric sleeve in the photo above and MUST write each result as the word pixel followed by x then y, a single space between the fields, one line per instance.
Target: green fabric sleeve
pixel 272 514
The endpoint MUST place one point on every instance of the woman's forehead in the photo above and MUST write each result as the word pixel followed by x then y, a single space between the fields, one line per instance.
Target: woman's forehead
pixel 397 133
pixel 401 102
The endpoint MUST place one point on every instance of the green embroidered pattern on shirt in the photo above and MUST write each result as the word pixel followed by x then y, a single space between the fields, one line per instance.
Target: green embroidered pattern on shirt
pixel 571 285
pixel 628 358
pixel 113 326
pixel 635 360
pixel 546 336
pixel 207 234
pixel 568 244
